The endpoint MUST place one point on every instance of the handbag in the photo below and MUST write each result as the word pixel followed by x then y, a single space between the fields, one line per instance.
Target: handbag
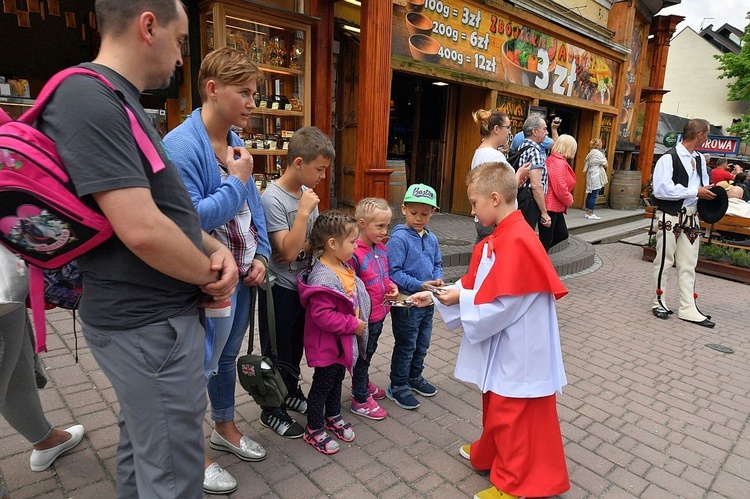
pixel 260 375
pixel 603 176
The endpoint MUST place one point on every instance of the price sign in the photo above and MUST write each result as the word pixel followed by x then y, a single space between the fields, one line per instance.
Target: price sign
pixel 471 38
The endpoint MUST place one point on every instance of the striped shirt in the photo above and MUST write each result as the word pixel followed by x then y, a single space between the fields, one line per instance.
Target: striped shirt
pixel 238 234
pixel 538 159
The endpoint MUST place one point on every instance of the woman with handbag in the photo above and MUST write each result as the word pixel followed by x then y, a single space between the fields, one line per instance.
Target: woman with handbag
pixel 218 173
pixel 595 167
pixel 20 405
pixel 561 180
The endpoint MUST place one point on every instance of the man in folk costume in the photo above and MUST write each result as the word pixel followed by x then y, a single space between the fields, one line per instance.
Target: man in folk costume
pixel 511 345
pixel 679 180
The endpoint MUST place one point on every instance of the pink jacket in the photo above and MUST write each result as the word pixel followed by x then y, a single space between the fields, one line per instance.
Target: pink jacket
pixel 371 265
pixel 329 318
pixel 561 180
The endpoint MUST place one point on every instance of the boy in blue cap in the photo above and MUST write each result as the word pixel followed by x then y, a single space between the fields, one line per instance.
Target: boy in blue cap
pixel 414 260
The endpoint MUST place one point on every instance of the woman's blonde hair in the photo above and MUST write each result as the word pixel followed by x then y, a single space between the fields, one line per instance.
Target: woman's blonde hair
pixel 566 146
pixel 487 120
pixel 228 66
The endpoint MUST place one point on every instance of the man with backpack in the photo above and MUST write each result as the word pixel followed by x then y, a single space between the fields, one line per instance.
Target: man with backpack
pixel 531 194
pixel 139 310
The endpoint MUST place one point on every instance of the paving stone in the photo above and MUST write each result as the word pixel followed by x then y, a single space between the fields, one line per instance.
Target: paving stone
pixel 649 410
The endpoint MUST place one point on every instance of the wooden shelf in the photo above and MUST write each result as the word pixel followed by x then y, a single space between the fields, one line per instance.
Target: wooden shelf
pixel 277 112
pixel 17 101
pixel 245 23
pixel 266 152
pixel 270 68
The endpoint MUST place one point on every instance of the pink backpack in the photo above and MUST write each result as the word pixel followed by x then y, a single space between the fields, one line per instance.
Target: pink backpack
pixel 41 218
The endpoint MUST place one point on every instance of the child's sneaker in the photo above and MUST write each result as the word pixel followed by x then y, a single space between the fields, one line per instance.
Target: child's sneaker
pixel 422 387
pixel 296 401
pixel 402 396
pixel 280 422
pixel 369 409
pixel 340 428
pixel 377 393
pixel 321 441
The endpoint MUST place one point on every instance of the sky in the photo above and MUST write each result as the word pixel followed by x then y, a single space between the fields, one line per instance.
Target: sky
pixel 732 12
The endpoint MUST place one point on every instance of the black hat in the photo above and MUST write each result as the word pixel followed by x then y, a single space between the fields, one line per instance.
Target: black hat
pixel 711 210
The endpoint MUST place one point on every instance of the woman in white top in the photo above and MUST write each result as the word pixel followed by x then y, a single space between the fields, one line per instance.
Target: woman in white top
pixel 494 127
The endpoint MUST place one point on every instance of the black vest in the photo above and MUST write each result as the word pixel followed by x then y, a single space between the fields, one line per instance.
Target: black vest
pixel 679 176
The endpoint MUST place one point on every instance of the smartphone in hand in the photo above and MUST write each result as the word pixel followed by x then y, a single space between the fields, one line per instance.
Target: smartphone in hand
pixel 398 303
pixel 433 289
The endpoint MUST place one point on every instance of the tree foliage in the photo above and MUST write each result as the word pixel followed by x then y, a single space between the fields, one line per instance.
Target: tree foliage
pixel 737 67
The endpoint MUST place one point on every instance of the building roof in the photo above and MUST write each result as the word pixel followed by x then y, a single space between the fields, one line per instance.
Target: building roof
pixel 722 38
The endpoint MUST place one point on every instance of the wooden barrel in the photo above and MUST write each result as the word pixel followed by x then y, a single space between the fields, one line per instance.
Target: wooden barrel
pixel 397 185
pixel 625 189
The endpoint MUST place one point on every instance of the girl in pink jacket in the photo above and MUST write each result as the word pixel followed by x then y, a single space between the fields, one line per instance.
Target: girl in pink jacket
pixel 370 262
pixel 337 308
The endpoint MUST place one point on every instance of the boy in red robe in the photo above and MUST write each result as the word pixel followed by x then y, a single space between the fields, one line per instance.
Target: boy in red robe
pixel 511 345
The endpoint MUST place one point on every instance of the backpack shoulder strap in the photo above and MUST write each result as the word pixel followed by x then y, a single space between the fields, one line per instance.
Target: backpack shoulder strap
pixel 141 137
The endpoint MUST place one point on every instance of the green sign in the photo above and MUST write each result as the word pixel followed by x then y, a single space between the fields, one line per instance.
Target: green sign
pixel 670 139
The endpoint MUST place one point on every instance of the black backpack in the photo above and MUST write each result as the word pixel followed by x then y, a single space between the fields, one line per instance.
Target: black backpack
pixel 514 157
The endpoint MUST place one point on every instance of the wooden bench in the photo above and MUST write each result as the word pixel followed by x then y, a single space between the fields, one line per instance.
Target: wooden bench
pixel 712 232
pixel 728 223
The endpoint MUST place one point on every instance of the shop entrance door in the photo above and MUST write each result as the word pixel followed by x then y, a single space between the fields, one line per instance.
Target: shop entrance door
pixel 420 134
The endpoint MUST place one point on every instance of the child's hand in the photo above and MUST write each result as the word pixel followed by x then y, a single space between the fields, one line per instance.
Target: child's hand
pixel 392 292
pixel 436 282
pixel 307 202
pixel 360 328
pixel 421 299
pixel 449 297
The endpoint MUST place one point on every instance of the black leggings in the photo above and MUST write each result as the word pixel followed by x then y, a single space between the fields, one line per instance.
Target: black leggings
pixel 324 398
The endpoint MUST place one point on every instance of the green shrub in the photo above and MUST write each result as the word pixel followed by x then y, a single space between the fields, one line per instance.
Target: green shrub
pixel 713 252
pixel 739 257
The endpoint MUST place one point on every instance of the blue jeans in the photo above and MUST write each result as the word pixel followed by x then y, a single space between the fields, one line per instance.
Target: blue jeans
pixel 412 330
pixel 221 369
pixel 360 376
pixel 591 200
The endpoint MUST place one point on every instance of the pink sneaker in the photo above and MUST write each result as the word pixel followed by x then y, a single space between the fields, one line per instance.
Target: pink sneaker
pixel 377 393
pixel 370 409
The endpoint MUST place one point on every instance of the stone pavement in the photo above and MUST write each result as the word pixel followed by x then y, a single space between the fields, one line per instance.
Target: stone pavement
pixel 649 411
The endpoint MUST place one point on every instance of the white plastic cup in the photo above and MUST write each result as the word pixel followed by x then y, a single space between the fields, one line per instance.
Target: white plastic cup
pixel 224 310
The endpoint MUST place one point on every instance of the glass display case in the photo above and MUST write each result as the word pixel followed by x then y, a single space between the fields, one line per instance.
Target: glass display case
pixel 279 44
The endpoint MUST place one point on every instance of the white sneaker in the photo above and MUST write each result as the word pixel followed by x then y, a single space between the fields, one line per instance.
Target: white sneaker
pixel 593 217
